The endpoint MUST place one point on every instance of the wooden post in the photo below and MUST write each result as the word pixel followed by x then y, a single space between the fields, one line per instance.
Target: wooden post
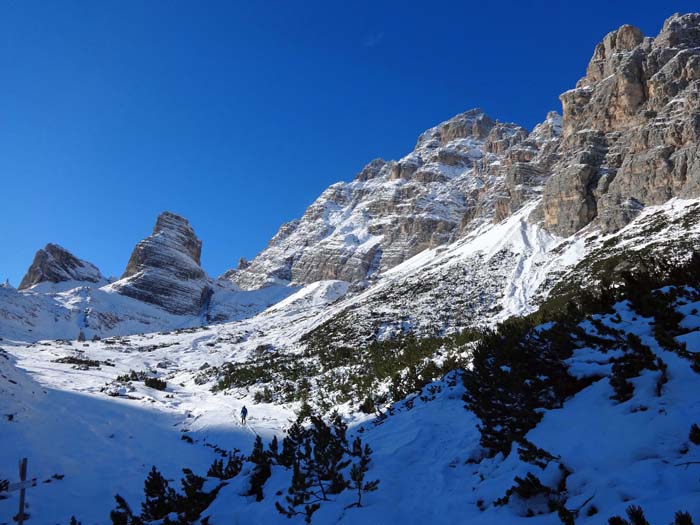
pixel 22 478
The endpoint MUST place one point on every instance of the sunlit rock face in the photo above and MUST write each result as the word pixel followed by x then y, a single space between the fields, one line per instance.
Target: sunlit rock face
pixel 631 129
pixel 466 171
pixel 164 269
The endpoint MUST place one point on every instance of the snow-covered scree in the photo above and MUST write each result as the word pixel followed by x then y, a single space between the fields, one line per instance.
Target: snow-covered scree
pixel 427 452
pixel 64 310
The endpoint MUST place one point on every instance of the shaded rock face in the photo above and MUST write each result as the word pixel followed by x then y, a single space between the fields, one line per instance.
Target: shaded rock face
pixel 631 129
pixel 466 171
pixel 164 269
pixel 56 264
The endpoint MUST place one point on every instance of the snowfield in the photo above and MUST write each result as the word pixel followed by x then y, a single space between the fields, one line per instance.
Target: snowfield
pixel 89 437
pixel 84 446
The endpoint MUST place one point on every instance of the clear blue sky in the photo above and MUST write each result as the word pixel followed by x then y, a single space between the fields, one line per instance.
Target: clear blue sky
pixel 238 114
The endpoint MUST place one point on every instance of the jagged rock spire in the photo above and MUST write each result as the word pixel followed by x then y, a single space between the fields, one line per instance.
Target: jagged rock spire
pixel 164 269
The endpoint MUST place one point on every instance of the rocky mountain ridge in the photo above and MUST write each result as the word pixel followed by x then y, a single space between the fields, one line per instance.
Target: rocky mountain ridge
pixel 628 140
pixel 461 173
pixel 163 288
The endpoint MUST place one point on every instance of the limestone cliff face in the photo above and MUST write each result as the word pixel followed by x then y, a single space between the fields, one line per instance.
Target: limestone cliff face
pixel 164 269
pixel 465 171
pixel 631 129
pixel 55 264
pixel 628 138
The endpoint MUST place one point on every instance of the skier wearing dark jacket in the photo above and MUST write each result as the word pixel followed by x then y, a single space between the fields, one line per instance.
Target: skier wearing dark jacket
pixel 244 414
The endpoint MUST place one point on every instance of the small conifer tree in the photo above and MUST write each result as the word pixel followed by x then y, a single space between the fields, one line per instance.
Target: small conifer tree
pixel 122 514
pixel 319 457
pixel 359 469
pixel 232 468
pixel 289 456
pixel 261 469
pixel 682 518
pixel 160 498
pixel 193 500
pixel 635 516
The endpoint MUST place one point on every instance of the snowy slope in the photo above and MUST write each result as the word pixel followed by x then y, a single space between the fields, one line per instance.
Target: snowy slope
pixel 64 310
pixel 618 453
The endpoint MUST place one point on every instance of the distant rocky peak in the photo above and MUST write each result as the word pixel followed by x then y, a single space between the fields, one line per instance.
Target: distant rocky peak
pixel 680 31
pixel 174 225
pixel 473 123
pixel 394 209
pixel 55 264
pixel 371 170
pixel 171 234
pixel 630 129
pixel 607 53
pixel 548 130
pixel 164 269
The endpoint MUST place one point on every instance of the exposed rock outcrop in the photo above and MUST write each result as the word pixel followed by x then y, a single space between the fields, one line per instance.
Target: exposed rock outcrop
pixel 55 264
pixel 452 180
pixel 629 137
pixel 164 269
pixel 631 129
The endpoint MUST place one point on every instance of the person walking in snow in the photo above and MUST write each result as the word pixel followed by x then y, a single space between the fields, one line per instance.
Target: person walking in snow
pixel 244 414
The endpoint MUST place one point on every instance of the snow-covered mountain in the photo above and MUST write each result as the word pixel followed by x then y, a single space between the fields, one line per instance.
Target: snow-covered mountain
pixel 461 173
pixel 385 284
pixel 628 139
pixel 163 288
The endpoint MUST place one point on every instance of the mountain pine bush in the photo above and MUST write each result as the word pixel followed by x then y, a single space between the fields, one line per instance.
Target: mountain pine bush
pixel 161 501
pixel 319 457
pixel 233 467
pixel 517 370
pixel 261 461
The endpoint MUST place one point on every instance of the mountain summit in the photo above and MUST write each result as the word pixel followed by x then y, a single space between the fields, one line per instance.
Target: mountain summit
pixel 631 129
pixel 164 269
pixel 55 264
pixel 466 171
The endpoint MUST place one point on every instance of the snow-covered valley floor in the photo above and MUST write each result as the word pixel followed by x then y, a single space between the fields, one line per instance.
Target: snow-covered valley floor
pixel 619 453
pixel 61 407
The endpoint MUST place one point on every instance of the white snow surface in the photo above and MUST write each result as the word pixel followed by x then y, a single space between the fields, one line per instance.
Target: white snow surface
pixel 619 453
pixel 66 425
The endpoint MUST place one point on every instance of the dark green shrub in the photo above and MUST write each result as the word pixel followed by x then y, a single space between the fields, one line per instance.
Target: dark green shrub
pixel 154 382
